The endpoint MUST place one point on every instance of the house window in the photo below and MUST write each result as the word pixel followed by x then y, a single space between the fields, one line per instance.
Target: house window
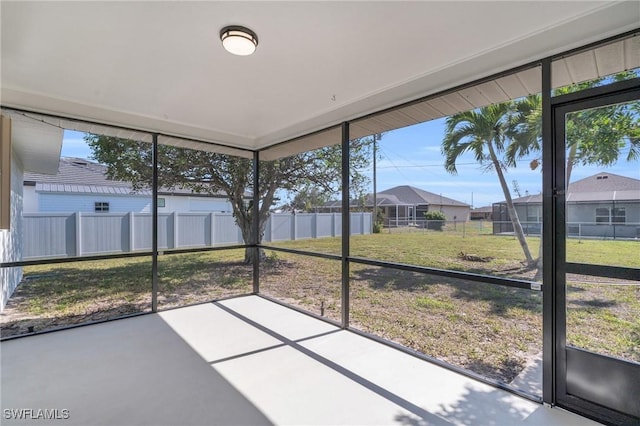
pixel 101 207
pixel 606 215
pixel 602 215
pixel 161 202
pixel 533 214
pixel 618 215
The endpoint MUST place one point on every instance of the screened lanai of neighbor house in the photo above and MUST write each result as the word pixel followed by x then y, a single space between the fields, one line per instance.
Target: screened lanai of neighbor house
pixel 300 283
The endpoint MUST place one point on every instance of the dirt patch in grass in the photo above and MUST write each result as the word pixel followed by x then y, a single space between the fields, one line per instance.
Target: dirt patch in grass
pixel 54 296
pixel 310 283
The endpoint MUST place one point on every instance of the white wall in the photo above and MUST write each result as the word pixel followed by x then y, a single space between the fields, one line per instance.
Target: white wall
pixel 30 199
pixel 46 202
pixel 11 240
pixel 218 205
pixel 182 204
pixel 461 213
pixel 174 204
pixel 64 202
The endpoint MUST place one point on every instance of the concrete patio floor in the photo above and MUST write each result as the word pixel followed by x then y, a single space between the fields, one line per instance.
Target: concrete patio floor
pixel 242 361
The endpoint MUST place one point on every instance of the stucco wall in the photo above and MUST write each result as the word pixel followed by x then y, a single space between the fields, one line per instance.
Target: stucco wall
pixel 459 213
pixel 11 240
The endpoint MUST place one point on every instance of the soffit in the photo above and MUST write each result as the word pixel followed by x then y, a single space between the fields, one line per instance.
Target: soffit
pixel 594 63
pixel 36 144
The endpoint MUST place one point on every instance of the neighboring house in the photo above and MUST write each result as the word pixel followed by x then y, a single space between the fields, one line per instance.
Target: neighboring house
pixel 404 205
pixel 82 186
pixel 481 213
pixel 34 147
pixel 604 205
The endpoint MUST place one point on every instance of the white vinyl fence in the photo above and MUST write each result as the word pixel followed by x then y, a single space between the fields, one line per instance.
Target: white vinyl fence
pixel 80 234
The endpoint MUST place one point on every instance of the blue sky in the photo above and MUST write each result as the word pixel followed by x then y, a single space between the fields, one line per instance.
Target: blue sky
pixel 411 156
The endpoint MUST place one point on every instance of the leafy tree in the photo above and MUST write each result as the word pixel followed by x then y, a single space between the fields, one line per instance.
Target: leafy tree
pixel 214 173
pixel 378 220
pixel 435 219
pixel 307 199
pixel 485 132
pixel 596 136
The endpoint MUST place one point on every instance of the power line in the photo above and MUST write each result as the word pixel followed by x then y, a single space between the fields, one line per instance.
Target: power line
pixel 392 163
pixel 440 165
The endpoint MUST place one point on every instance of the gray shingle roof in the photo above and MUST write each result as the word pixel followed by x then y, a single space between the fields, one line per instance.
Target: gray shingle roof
pixel 411 195
pixel 78 175
pixel 604 181
pixel 403 195
pixel 602 186
pixel 382 200
pixel 76 171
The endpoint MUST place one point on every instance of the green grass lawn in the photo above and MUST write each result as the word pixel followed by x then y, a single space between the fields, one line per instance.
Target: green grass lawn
pixel 68 293
pixel 441 249
pixel 489 329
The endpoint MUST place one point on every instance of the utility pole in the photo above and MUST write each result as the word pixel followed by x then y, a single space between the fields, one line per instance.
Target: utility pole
pixel 376 138
pixel 375 193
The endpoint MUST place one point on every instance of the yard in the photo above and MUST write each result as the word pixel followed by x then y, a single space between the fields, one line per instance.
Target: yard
pixel 492 330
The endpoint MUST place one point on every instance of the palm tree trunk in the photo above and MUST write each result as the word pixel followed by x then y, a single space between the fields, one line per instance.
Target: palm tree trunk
pixel 517 227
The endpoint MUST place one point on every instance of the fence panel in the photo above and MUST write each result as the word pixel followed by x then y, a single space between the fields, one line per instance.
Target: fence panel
pixel 305 224
pixel 338 225
pixel 76 234
pixel 325 225
pixel 49 235
pixel 367 223
pixel 194 229
pixel 142 223
pixel 226 231
pixel 104 233
pixel 358 223
pixel 281 228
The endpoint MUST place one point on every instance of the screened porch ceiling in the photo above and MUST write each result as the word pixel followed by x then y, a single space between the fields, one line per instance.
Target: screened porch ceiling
pixel 127 69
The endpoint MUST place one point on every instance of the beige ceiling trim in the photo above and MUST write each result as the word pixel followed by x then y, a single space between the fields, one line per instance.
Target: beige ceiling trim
pixel 328 137
pixel 502 89
pixel 203 146
pixel 622 55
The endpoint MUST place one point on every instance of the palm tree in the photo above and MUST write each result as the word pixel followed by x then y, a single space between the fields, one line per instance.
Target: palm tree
pixel 594 136
pixel 485 133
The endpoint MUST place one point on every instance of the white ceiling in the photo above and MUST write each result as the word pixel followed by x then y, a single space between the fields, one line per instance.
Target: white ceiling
pixel 159 66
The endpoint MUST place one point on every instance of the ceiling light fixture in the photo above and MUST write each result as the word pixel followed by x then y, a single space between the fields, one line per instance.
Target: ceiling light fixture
pixel 239 40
